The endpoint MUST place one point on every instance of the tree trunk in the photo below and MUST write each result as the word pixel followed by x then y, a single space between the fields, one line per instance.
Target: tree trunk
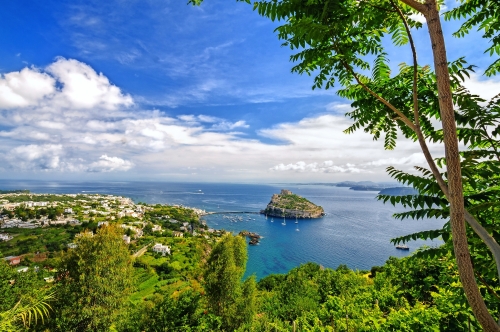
pixel 456 199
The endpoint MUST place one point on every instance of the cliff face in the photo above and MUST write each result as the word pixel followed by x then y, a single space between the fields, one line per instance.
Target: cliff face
pixel 286 204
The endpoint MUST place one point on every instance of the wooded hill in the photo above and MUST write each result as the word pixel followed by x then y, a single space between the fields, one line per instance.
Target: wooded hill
pixel 288 205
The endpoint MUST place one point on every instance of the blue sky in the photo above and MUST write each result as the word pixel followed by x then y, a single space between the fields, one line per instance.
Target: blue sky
pixel 160 90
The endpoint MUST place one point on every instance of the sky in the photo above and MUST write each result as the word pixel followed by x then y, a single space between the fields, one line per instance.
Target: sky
pixel 153 90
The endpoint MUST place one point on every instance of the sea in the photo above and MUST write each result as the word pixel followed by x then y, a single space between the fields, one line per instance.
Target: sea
pixel 356 230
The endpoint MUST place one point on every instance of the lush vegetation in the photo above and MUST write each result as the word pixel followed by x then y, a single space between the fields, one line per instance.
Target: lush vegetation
pixel 342 42
pixel 200 288
pixel 41 240
pixel 452 288
pixel 295 202
pixel 41 198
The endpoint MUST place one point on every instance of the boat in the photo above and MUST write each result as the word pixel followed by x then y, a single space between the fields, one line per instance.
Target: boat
pixel 272 220
pixel 402 247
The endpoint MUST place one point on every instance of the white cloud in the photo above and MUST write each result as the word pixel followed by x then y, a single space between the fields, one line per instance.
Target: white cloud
pixel 110 164
pixel 413 159
pixel 337 107
pixel 483 87
pixel 83 88
pixel 324 167
pixel 110 138
pixel 225 125
pixel 25 88
pixel 418 18
pixel 35 157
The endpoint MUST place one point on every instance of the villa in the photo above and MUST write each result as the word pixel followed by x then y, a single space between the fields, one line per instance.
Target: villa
pixel 158 247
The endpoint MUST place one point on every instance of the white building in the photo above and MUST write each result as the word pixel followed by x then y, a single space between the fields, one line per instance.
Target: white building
pixel 58 222
pixel 158 247
pixel 5 237
pixel 68 210
pixel 126 238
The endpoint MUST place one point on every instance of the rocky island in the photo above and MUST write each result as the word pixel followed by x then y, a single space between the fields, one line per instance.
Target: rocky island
pixel 287 204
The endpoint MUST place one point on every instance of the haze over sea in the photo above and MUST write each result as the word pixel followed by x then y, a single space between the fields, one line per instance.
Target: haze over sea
pixel 356 230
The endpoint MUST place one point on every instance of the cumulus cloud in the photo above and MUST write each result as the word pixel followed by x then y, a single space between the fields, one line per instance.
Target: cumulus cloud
pixel 81 87
pixel 35 157
pixel 25 88
pixel 80 122
pixel 84 88
pixel 110 164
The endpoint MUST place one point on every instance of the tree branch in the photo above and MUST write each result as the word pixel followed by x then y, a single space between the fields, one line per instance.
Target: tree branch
pixel 492 291
pixel 378 97
pixel 420 7
pixel 490 242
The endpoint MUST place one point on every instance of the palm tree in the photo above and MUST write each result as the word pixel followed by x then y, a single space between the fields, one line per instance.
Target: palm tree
pixel 26 311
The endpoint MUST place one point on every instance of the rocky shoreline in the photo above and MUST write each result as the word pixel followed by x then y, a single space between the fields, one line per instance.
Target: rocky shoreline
pixel 254 237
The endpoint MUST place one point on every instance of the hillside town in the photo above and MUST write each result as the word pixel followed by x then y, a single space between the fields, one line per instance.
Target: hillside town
pixel 22 213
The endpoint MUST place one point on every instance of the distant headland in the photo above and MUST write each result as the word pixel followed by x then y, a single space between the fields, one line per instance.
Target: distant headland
pixel 287 204
pixel 384 188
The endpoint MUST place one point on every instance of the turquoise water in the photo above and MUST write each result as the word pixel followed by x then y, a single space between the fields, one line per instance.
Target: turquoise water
pixel 356 230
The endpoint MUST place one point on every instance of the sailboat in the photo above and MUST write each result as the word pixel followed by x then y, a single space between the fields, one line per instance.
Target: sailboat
pixel 272 220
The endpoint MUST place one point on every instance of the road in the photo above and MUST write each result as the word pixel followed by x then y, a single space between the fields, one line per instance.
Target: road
pixel 141 251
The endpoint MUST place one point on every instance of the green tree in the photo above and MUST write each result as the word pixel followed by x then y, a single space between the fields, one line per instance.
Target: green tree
pixel 336 39
pixel 24 300
pixel 14 286
pixel 95 280
pixel 224 270
pixel 175 314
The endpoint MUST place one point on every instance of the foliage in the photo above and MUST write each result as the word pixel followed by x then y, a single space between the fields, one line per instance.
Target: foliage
pixel 336 41
pixel 15 286
pixel 95 279
pixel 26 311
pixel 50 239
pixel 175 314
pixel 19 198
pixel 294 202
pixel 485 15
pixel 226 297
